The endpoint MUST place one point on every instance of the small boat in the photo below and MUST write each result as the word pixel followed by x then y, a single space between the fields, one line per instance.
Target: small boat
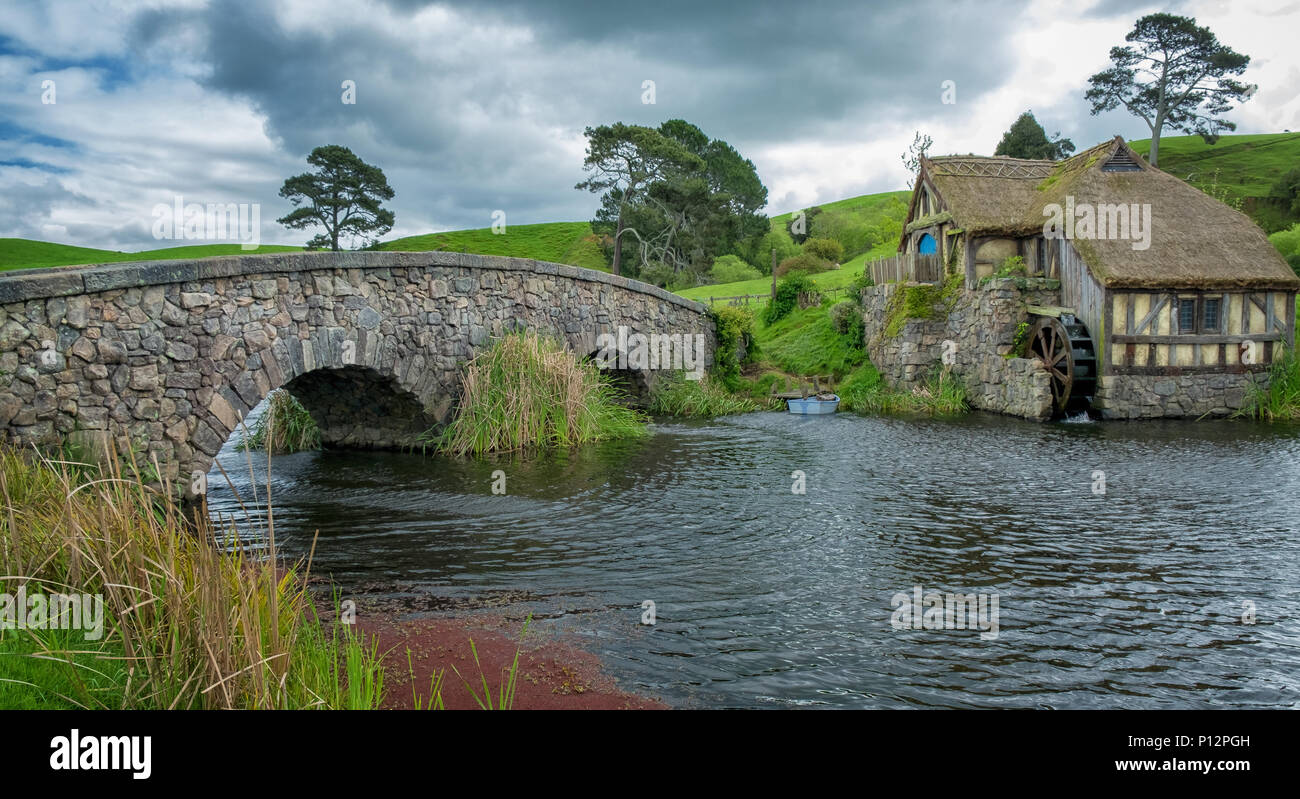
pixel 814 405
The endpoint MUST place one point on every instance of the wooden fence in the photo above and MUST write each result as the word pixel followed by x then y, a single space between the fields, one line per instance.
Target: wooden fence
pixel 908 266
pixel 806 299
pixel 739 299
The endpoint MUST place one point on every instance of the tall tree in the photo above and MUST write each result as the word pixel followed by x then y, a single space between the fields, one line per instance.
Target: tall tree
pixel 624 160
pixel 1027 139
pixel 343 195
pixel 1173 74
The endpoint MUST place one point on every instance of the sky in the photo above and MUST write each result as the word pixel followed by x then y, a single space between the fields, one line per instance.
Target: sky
pixel 110 108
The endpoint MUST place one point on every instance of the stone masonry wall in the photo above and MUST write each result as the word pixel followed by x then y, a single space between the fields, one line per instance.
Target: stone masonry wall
pixel 982 324
pixel 165 357
pixel 1191 395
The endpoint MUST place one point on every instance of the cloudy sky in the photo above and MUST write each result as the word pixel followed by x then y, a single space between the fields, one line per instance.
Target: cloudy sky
pixel 470 107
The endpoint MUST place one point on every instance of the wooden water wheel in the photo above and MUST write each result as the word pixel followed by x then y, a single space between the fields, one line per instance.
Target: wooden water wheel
pixel 1065 349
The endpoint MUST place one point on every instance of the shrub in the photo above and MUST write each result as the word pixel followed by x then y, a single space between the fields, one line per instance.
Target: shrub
pixel 735 326
pixel 825 249
pixel 1287 241
pixel 806 263
pixel 862 281
pixel 1294 260
pixel 527 392
pixel 787 296
pixel 732 269
pixel 846 317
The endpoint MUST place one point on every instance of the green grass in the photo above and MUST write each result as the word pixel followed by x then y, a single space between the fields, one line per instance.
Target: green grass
pixel 1247 165
pixel 699 399
pixel 28 254
pixel 1239 170
pixel 865 391
pixel 870 206
pixel 201 626
pixel 59 669
pixel 561 242
pixel 529 392
pixel 805 342
pixel 834 279
pixel 1281 401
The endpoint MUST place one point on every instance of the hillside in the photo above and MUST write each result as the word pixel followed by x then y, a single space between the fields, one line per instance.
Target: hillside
pixel 561 242
pixel 871 210
pixel 1245 167
pixel 868 206
pixel 29 254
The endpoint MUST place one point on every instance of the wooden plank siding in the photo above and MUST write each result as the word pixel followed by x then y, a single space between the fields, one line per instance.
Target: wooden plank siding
pixel 1082 293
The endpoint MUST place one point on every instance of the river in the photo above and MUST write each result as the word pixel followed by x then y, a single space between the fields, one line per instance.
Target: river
pixel 1178 587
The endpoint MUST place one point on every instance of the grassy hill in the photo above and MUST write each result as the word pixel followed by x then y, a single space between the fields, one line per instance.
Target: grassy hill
pixel 1245 167
pixel 871 209
pixel 28 254
pixel 561 242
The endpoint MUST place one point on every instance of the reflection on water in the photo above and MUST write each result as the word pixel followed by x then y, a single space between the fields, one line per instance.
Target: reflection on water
pixel 768 598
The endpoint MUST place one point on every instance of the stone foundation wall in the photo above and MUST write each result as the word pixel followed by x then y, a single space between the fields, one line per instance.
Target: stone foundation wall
pixel 977 328
pixel 1157 396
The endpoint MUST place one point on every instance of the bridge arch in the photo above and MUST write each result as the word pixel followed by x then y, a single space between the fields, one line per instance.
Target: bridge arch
pixel 165 357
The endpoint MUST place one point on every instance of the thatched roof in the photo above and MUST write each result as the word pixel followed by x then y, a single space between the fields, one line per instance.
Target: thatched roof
pixel 1196 241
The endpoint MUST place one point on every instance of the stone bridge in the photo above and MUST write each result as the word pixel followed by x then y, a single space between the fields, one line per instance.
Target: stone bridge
pixel 165 357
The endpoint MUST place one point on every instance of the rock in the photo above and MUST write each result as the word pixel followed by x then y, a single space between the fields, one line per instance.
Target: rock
pixel 180 351
pixel 111 351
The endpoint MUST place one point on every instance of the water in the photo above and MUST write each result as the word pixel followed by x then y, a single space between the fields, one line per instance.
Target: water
pixel 766 598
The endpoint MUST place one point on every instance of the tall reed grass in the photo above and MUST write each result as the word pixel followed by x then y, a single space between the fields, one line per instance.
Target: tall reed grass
pixel 865 391
pixel 189 624
pixel 1280 401
pixel 674 395
pixel 284 427
pixel 527 391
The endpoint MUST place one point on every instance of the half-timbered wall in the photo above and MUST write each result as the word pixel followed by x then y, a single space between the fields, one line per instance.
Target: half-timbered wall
pixel 1251 329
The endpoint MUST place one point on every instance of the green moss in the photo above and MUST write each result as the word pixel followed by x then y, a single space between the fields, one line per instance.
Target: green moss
pixel 910 301
pixel 929 221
